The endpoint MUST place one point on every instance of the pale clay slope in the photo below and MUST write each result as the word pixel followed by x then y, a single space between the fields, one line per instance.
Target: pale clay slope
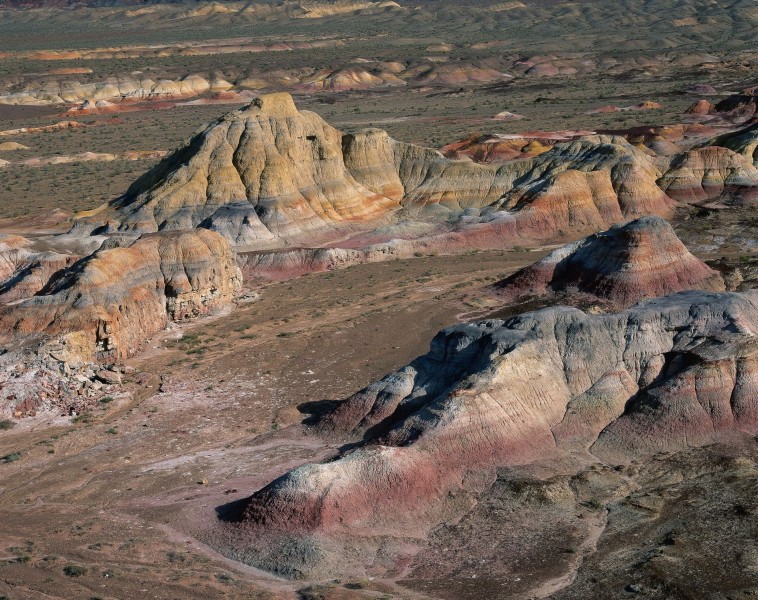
pixel 667 374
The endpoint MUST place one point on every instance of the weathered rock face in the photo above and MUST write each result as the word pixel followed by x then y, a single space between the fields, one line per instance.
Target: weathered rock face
pixel 711 172
pixel 269 175
pixel 354 78
pixel 111 300
pixel 626 264
pixel 667 374
pixel 502 147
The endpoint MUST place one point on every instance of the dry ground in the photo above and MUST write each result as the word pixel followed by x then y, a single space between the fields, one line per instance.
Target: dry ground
pixel 120 491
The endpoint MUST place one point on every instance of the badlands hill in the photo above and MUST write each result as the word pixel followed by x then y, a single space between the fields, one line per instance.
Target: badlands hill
pixel 306 197
pixel 104 305
pixel 554 385
pixel 626 264
pixel 268 175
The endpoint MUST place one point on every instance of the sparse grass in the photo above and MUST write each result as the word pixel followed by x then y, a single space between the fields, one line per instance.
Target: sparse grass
pixel 7 424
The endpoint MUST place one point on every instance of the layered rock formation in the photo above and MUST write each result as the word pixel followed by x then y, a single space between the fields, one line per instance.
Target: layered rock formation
pixel 354 78
pixel 626 264
pixel 114 89
pixel 34 275
pixel 107 303
pixel 709 173
pixel 269 175
pixel 667 374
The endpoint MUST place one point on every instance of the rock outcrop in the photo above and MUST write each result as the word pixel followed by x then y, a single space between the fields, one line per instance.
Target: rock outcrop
pixel 621 266
pixel 107 303
pixel 667 374
pixel 114 89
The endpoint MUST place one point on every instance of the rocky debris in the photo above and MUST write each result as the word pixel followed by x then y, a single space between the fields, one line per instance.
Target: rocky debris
pixel 665 375
pixel 106 304
pixel 39 380
pixel 621 266
pixel 109 376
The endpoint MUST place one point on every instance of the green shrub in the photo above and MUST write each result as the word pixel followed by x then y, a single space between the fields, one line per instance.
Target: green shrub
pixel 74 570
pixel 12 457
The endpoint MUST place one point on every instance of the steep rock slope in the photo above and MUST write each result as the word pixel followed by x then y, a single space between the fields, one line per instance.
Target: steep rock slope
pixel 108 302
pixel 35 275
pixel 667 374
pixel 623 265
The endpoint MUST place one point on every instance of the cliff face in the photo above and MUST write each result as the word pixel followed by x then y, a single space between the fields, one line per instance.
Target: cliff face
pixel 626 264
pixel 667 374
pixel 116 297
